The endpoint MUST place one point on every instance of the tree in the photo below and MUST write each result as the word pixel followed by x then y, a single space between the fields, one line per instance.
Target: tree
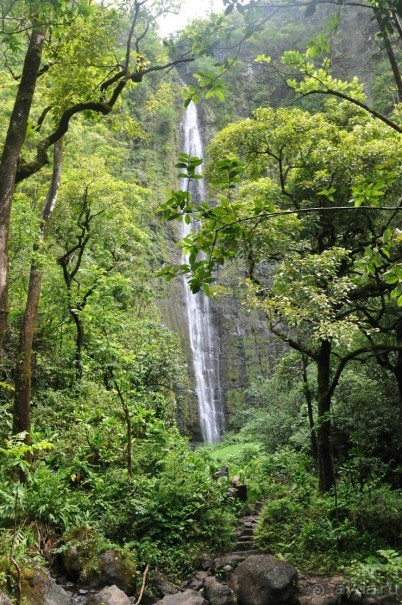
pixel 98 94
pixel 299 235
pixel 22 401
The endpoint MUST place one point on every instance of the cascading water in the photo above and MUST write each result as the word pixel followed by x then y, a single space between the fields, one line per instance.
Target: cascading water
pixel 204 339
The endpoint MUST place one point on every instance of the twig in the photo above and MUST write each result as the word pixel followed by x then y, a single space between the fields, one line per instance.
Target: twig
pixel 144 580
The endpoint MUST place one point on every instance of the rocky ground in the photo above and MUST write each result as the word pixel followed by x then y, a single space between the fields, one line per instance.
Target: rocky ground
pixel 243 577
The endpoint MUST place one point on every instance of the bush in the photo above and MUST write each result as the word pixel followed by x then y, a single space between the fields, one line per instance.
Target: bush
pixel 377 575
pixel 321 532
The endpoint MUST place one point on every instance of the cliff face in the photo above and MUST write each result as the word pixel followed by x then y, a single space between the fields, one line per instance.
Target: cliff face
pixel 245 347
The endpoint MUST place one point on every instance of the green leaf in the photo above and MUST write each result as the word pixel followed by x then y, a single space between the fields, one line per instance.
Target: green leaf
pixel 390 278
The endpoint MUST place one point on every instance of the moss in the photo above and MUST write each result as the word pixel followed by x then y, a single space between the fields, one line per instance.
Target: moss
pixel 88 558
pixel 33 586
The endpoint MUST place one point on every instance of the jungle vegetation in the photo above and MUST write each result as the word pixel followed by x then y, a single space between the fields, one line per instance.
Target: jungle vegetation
pixel 301 106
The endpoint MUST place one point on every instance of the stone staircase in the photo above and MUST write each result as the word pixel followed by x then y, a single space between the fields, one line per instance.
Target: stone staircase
pixel 225 565
pixel 245 531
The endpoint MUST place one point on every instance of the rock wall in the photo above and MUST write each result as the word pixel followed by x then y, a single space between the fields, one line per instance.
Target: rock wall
pixel 247 348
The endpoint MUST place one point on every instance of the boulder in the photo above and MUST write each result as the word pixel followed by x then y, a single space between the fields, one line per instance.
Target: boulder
pixel 55 594
pixel 188 597
pixel 4 600
pixel 115 569
pixel 162 585
pixel 206 562
pixel 198 581
pixel 33 585
pixel 217 593
pixel 264 580
pixel 232 559
pixel 38 588
pixel 111 595
pixel 84 561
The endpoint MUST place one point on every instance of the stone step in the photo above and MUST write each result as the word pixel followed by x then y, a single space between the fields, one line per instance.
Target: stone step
pixel 250 524
pixel 246 553
pixel 245 539
pixel 246 545
pixel 249 519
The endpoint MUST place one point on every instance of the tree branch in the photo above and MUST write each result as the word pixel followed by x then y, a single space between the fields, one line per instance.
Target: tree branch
pixel 346 97
pixel 351 356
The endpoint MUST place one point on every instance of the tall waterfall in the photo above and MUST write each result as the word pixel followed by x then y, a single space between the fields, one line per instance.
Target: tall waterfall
pixel 204 339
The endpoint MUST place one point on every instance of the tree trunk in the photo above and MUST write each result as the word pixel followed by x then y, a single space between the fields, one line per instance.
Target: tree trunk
pixel 9 162
pixel 398 365
pixel 79 343
pixel 22 400
pixel 391 55
pixel 307 394
pixel 325 463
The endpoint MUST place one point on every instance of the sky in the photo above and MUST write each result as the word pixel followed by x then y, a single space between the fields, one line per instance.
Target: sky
pixel 190 9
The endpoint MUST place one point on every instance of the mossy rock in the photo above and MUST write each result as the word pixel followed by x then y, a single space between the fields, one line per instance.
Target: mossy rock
pixel 80 552
pixel 91 560
pixel 119 568
pixel 38 588
pixel 33 586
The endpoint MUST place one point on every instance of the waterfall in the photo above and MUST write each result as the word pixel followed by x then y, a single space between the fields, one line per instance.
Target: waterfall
pixel 204 339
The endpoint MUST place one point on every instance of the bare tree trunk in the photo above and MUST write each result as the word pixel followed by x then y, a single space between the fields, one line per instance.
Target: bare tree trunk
pixel 325 463
pixel 9 162
pixel 398 365
pixel 307 394
pixel 22 400
pixel 390 52
pixel 79 343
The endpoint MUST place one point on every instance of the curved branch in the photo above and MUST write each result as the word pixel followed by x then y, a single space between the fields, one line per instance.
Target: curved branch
pixel 28 169
pixel 373 349
pixel 367 108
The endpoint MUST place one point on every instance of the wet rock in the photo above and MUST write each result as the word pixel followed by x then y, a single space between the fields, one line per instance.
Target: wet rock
pixel 227 572
pixel 111 595
pixel 198 581
pixel 38 588
pixel 195 584
pixel 230 559
pixel 55 594
pixel 85 562
pixel 264 580
pixel 163 585
pixel 188 597
pixel 206 562
pixel 117 570
pixel 218 594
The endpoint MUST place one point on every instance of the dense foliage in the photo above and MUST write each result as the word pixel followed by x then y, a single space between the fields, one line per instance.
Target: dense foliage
pixel 95 386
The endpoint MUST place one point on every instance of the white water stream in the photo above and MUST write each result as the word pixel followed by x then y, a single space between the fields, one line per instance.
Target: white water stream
pixel 204 339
